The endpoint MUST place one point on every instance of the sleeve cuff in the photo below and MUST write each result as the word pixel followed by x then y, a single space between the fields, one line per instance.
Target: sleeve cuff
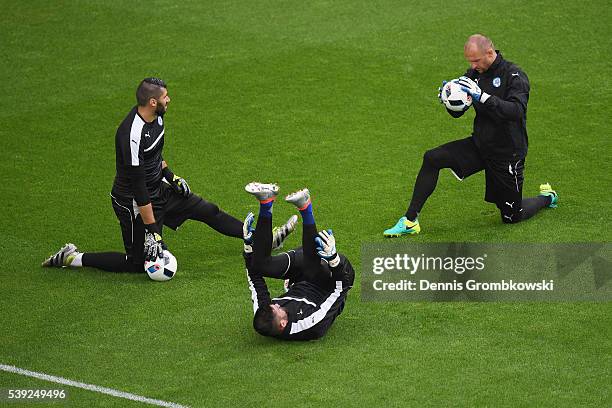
pixel 484 97
pixel 334 261
pixel 153 228
pixel 168 175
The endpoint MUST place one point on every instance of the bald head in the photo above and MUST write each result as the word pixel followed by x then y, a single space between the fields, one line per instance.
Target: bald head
pixel 480 42
pixel 480 52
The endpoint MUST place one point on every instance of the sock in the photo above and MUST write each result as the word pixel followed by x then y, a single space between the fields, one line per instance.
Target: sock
pixel 427 179
pixel 532 205
pixel 265 208
pixel 423 187
pixel 111 261
pixel 307 215
pixel 77 260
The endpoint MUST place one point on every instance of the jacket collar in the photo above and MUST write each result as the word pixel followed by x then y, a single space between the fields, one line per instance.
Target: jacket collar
pixel 495 63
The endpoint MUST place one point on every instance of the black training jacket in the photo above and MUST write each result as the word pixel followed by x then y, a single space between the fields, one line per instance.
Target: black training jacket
pixel 500 125
pixel 311 309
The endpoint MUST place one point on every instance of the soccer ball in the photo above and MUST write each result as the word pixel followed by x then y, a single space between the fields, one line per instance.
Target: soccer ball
pixel 454 98
pixel 161 269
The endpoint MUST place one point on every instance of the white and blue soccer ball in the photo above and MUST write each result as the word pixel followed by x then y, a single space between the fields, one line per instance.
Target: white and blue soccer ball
pixel 454 98
pixel 163 268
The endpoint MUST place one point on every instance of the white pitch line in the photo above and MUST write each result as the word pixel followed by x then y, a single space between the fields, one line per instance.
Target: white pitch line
pixel 90 387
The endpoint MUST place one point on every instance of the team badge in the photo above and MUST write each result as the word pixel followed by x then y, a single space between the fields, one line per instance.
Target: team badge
pixel 496 82
pixel 160 121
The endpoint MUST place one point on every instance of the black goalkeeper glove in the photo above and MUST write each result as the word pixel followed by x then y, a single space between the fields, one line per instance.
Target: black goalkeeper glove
pixel 177 183
pixel 153 243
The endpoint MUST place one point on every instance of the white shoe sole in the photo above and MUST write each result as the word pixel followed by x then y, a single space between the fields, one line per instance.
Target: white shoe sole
pixel 299 198
pixel 262 191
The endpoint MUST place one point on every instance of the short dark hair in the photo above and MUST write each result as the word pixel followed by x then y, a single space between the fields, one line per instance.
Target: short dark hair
pixel 149 88
pixel 264 321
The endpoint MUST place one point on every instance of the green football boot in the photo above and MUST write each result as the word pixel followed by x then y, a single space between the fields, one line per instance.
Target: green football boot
pixel 547 191
pixel 403 227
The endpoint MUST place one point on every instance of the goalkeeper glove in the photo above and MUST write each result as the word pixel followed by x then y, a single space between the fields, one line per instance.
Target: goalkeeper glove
pixel 153 243
pixel 247 232
pixel 472 89
pixel 177 183
pixel 440 91
pixel 326 247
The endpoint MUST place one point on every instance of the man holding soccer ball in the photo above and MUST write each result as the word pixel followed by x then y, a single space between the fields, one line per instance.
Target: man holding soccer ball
pixel 147 195
pixel 499 91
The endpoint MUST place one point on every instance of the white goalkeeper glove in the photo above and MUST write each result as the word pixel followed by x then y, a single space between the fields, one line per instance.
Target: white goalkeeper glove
pixel 153 244
pixel 440 91
pixel 326 247
pixel 472 89
pixel 247 232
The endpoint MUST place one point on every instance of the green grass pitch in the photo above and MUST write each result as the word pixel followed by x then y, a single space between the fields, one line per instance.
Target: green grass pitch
pixel 339 96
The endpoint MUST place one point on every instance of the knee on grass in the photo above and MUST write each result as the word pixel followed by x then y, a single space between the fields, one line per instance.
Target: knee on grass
pixel 508 218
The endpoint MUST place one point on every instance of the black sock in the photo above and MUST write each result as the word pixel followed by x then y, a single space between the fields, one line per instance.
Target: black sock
pixel 262 247
pixel 110 261
pixel 309 233
pixel 532 205
pixel 433 160
pixel 423 187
